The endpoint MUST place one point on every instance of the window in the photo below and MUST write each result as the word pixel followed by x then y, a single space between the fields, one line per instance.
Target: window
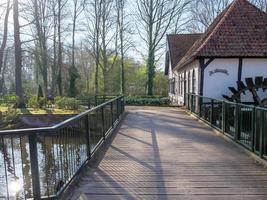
pixel 194 82
pixel 172 86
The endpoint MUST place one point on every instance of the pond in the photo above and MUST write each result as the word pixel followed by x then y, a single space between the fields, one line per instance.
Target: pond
pixel 60 154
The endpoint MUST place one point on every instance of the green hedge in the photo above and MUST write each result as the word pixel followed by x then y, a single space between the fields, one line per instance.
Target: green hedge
pixel 147 101
pixel 67 103
pixel 8 100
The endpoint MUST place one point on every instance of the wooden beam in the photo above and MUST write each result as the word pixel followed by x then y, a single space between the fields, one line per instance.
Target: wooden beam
pixel 203 66
pixel 207 63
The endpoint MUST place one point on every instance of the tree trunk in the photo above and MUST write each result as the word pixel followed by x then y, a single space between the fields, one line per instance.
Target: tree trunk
pixel 18 55
pixel 59 77
pixel 73 73
pixel 2 81
pixel 150 72
pixel 105 81
pixel 54 65
pixel 3 45
pixel 151 53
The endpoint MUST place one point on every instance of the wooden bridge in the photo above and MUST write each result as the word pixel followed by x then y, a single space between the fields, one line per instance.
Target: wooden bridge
pixel 163 153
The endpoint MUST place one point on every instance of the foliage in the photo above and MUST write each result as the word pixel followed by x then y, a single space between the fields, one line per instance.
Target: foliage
pixel 8 100
pixel 35 102
pixel 67 103
pixel 147 100
pixel 10 116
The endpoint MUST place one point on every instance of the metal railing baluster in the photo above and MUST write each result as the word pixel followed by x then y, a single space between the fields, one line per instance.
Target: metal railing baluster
pixel 34 166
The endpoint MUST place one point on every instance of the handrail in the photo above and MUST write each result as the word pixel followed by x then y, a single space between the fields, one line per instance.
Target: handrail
pixel 245 124
pixel 226 101
pixel 59 125
pixel 45 160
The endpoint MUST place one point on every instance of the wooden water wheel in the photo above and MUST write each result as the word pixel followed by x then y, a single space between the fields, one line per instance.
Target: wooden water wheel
pixel 251 86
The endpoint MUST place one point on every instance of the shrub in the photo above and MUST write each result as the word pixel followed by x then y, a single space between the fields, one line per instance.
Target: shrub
pixel 10 116
pixel 147 101
pixel 67 103
pixel 9 100
pixel 33 102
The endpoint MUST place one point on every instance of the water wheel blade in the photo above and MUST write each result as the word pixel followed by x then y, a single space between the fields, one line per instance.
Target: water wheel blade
pixel 258 82
pixel 264 85
pixel 227 98
pixel 250 83
pixel 233 90
pixel 241 87
pixel 264 102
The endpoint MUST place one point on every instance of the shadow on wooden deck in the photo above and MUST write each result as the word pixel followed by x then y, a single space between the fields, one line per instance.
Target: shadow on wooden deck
pixel 162 153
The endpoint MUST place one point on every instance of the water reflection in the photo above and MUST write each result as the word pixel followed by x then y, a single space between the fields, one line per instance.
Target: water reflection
pixel 60 154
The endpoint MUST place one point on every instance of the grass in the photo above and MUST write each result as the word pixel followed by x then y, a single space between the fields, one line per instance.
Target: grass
pixel 43 111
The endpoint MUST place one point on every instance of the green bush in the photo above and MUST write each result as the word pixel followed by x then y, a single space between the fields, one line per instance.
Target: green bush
pixel 34 102
pixel 8 100
pixel 67 103
pixel 147 101
pixel 10 116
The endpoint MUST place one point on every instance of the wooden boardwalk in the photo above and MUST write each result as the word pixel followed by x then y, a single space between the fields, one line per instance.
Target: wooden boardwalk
pixel 162 153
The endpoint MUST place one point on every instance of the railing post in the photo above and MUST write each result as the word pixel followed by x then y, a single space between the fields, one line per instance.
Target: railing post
pixel 119 108
pixel 88 136
pixel 211 112
pixel 191 101
pixel 223 117
pixel 103 123
pixel 200 106
pixel 237 121
pixel 34 166
pixel 111 110
pixel 253 128
pixel 122 105
pixel 261 133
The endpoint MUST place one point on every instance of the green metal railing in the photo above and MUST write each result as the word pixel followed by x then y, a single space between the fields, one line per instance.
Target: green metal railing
pixel 39 163
pixel 245 124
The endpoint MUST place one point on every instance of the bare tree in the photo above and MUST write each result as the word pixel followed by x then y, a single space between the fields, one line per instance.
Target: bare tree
pixel 78 7
pixel 4 41
pixel 262 4
pixel 203 12
pixel 41 15
pixel 54 66
pixel 155 18
pixel 60 5
pixel 93 17
pixel 125 42
pixel 107 37
pixel 18 55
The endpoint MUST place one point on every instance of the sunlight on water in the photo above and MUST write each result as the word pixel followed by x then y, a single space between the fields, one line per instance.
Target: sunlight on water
pixel 15 187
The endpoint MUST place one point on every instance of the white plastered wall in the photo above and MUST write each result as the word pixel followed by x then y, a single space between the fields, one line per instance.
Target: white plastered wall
pixel 216 84
pixel 194 66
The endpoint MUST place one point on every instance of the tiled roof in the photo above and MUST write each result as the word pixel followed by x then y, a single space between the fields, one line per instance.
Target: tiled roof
pixel 239 31
pixel 178 45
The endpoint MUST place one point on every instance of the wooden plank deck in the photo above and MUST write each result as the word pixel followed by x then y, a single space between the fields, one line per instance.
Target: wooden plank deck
pixel 162 153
